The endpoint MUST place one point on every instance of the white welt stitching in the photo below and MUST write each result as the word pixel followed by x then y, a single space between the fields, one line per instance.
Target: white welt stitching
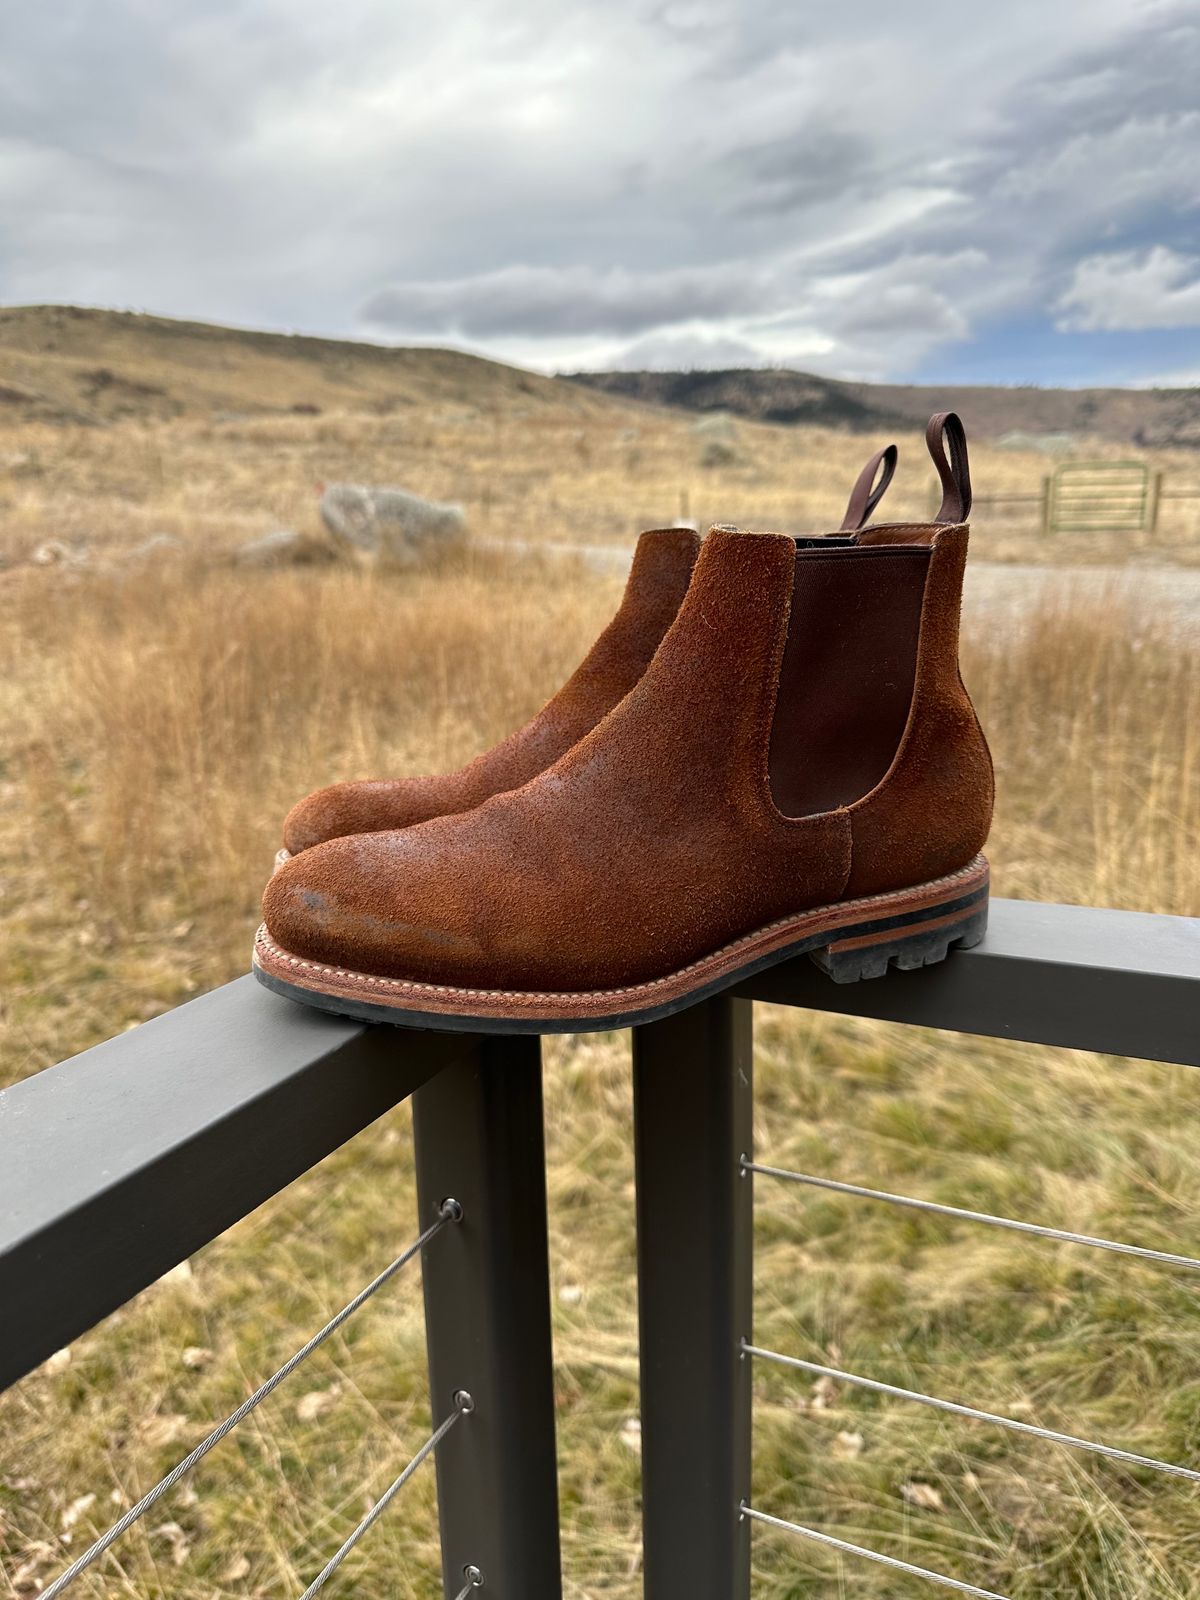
pixel 264 942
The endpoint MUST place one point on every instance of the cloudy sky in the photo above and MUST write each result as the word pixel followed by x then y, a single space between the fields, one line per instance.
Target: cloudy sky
pixel 1001 193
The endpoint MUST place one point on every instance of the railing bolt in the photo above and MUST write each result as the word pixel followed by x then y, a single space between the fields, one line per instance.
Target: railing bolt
pixel 451 1209
pixel 473 1576
pixel 464 1400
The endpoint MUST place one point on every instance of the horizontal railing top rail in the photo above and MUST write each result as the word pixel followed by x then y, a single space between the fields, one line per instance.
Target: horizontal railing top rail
pixel 1123 983
pixel 117 1164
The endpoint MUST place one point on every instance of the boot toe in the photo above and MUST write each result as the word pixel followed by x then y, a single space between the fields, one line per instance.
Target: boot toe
pixel 350 903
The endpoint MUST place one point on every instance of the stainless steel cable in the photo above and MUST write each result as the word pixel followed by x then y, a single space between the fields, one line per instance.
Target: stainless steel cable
pixel 1159 1257
pixel 890 1389
pixel 846 1548
pixel 451 1212
pixel 462 1405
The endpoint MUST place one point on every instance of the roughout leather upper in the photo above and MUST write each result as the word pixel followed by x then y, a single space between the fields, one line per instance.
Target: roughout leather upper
pixel 655 840
pixel 658 579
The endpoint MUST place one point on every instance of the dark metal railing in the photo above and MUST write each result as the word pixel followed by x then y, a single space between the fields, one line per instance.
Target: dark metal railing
pixel 118 1164
pixel 450 1211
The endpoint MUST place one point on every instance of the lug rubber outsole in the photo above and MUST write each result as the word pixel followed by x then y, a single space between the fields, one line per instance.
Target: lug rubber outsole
pixel 849 940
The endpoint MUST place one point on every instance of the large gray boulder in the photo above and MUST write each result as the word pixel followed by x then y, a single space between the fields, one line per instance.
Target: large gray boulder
pixel 391 525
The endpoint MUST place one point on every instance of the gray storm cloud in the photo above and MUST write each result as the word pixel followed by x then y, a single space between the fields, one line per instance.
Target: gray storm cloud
pixel 568 184
pixel 572 300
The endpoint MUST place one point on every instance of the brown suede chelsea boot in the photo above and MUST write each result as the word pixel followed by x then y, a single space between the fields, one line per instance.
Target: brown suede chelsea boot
pixel 798 770
pixel 658 579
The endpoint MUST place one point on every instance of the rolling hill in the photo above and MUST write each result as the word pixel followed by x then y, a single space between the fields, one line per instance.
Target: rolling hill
pixel 71 364
pixel 1152 418
pixel 78 365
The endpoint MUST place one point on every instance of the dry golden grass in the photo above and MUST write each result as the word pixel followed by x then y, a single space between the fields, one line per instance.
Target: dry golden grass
pixel 593 471
pixel 155 724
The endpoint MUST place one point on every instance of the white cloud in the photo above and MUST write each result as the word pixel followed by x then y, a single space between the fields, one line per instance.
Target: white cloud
pixel 571 182
pixel 1131 289
pixel 681 350
pixel 753 313
pixel 1181 378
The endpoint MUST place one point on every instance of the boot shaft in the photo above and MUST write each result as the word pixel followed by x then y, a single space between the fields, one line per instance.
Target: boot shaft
pixel 871 713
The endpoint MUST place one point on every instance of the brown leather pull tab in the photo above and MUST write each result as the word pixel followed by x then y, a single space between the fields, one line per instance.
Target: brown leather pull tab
pixel 866 493
pixel 946 429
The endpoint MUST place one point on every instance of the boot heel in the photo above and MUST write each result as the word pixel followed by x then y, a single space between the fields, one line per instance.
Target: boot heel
pixel 917 945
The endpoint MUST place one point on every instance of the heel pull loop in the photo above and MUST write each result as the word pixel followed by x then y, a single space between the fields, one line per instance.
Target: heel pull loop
pixel 866 493
pixel 955 470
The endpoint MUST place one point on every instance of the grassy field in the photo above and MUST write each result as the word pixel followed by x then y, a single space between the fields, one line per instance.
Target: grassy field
pixel 593 470
pixel 155 723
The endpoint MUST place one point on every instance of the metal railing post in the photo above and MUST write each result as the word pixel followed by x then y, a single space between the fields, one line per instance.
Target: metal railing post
pixel 693 1112
pixel 479 1140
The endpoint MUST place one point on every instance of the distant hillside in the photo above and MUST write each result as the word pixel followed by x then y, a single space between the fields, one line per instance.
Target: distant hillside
pixel 70 364
pixel 65 363
pixel 1151 417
